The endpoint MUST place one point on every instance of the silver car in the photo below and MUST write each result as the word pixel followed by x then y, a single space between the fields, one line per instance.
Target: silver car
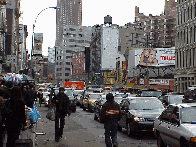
pixel 176 126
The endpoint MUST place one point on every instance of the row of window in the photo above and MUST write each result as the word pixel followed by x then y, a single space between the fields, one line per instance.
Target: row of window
pixel 186 36
pixel 188 57
pixel 61 63
pixel 60 74
pixel 186 14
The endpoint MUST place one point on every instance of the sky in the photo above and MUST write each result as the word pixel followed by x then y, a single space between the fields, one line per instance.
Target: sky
pixel 93 12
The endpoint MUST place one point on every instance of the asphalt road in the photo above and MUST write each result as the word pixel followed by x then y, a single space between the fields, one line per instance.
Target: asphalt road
pixel 81 130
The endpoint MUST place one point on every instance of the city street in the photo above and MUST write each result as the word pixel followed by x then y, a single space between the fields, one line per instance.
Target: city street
pixel 81 130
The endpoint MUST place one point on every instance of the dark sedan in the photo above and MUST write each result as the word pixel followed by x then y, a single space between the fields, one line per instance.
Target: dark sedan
pixel 138 114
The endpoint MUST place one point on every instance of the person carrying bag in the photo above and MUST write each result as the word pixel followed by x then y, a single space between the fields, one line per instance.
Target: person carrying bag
pixel 61 100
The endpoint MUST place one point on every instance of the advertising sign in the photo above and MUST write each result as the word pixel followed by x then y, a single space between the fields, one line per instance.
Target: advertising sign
pixel 159 81
pixel 110 78
pixel 74 85
pixel 109 47
pixel 155 57
pixel 38 40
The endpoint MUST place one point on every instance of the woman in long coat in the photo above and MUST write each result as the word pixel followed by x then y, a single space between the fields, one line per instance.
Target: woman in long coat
pixel 15 117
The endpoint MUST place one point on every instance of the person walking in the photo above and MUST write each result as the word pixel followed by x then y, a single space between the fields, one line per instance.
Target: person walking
pixel 111 114
pixel 40 96
pixel 14 116
pixel 2 125
pixel 30 96
pixel 61 101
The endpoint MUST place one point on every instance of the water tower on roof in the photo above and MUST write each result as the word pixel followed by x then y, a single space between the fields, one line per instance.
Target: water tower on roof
pixel 108 19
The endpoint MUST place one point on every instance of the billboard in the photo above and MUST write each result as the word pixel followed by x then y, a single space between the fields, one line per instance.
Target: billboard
pixel 38 40
pixel 109 47
pixel 155 57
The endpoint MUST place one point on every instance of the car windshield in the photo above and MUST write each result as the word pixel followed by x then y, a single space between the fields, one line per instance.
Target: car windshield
pixel 69 92
pixel 188 115
pixel 94 96
pixel 76 92
pixel 151 93
pixel 145 104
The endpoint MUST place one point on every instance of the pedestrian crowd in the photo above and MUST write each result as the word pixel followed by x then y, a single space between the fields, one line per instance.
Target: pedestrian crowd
pixel 13 99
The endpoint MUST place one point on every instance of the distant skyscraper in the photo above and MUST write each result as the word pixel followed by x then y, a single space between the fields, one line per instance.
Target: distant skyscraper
pixel 69 12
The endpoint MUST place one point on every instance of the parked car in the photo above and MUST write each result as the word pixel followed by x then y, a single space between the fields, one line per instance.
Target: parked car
pixel 171 99
pixel 78 95
pixel 46 98
pixel 89 101
pixel 148 93
pixel 69 93
pixel 176 126
pixel 138 114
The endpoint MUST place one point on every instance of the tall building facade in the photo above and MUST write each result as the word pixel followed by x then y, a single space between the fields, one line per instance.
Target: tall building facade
pixel 74 39
pixel 69 13
pixel 159 30
pixel 68 16
pixel 185 69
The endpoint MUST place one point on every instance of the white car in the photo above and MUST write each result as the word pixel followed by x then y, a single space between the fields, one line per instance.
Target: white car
pixel 46 98
pixel 176 126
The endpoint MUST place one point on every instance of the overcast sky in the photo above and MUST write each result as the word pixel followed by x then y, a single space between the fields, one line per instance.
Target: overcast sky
pixel 93 12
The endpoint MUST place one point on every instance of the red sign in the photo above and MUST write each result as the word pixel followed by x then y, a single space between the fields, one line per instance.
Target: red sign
pixel 74 85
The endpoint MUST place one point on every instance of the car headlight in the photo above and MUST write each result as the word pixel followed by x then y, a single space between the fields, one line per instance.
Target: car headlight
pixel 193 139
pixel 139 119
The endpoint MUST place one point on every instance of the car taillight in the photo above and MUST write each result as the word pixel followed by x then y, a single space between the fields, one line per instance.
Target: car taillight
pixel 193 139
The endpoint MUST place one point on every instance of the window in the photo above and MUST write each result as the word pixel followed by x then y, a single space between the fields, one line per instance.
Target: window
pixel 66 74
pixel 68 63
pixel 68 51
pixel 67 68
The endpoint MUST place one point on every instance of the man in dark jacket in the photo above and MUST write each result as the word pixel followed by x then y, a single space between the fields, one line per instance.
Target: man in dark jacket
pixel 30 96
pixel 62 109
pixel 111 114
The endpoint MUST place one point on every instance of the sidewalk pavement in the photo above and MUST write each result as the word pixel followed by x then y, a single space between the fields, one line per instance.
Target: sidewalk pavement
pixel 74 134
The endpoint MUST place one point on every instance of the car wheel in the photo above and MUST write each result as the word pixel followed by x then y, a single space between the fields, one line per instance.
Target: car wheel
pixel 95 117
pixel 119 128
pixel 183 143
pixel 160 142
pixel 129 132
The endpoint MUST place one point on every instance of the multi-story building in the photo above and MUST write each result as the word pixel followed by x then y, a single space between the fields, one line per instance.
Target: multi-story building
pixel 185 69
pixel 69 13
pixel 51 62
pixel 12 34
pixel 75 39
pixel 2 33
pixel 51 55
pixel 22 52
pixel 159 30
pixel 78 64
pixel 130 36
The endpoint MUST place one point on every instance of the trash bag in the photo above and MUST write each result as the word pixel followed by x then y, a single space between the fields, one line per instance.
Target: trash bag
pixel 34 115
pixel 51 114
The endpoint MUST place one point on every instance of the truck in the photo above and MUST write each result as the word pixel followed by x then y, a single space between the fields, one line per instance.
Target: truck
pixel 75 85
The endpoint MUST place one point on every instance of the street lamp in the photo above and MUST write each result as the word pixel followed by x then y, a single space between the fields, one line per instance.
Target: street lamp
pixel 34 28
pixel 34 32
